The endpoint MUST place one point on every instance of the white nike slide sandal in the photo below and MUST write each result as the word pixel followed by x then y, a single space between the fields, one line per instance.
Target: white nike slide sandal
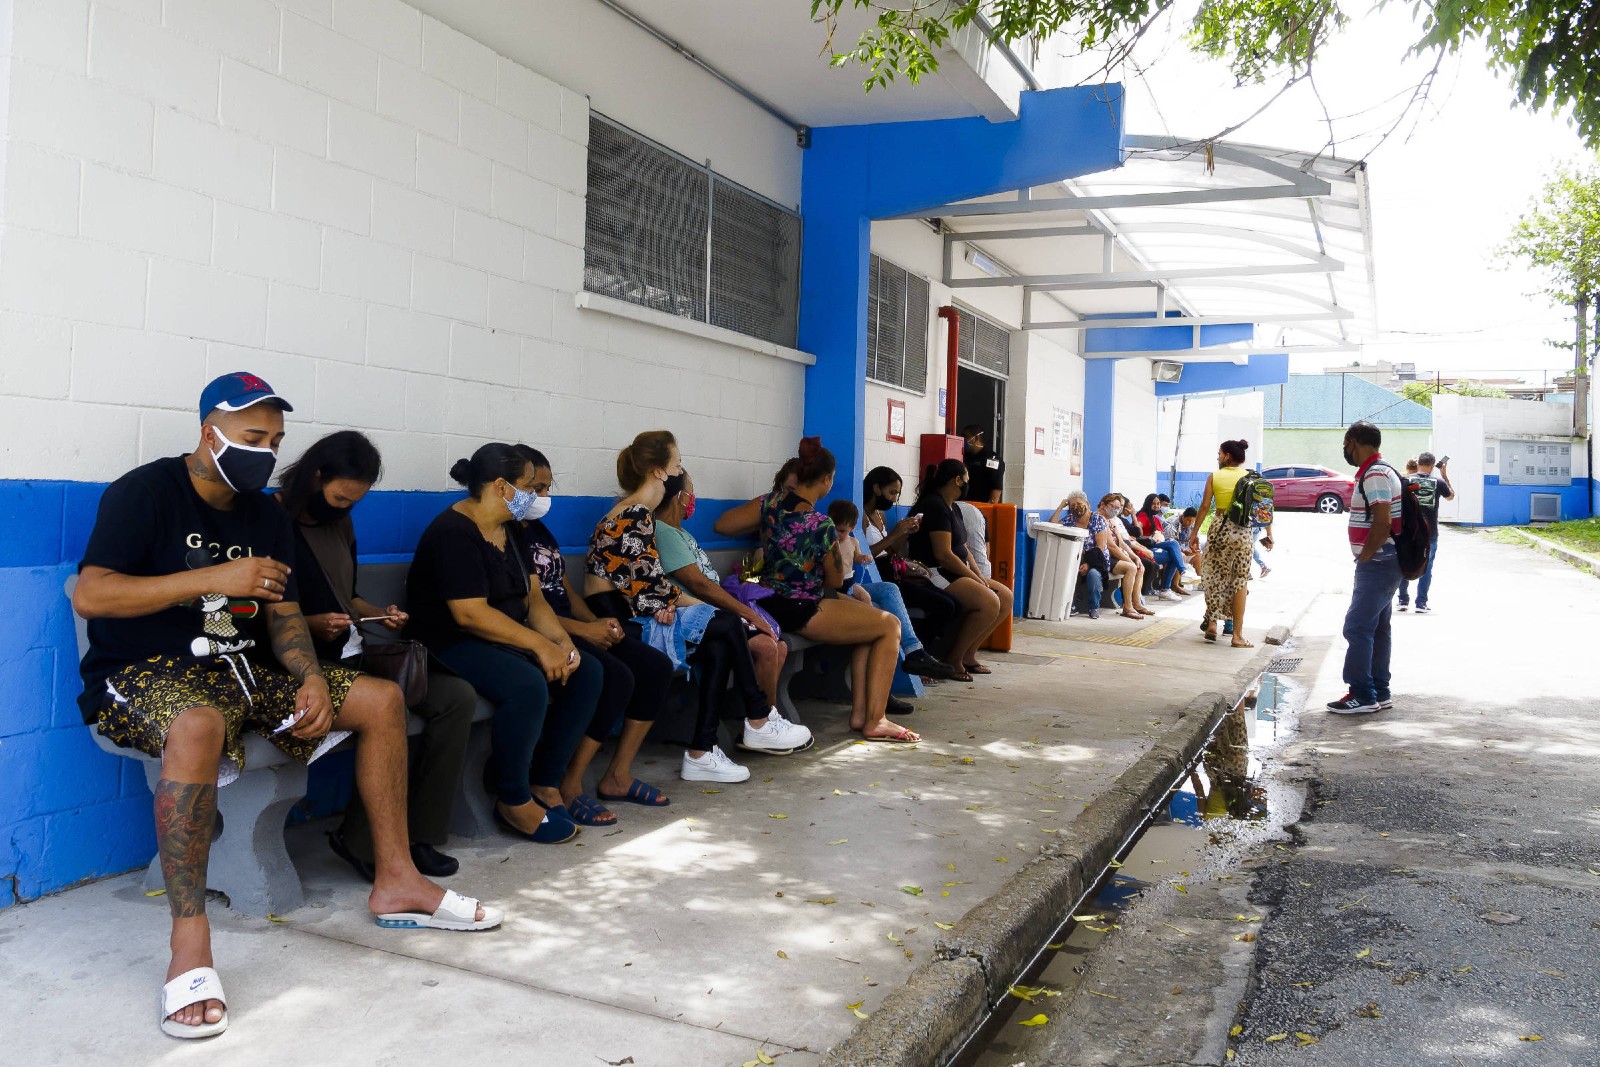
pixel 192 987
pixel 455 913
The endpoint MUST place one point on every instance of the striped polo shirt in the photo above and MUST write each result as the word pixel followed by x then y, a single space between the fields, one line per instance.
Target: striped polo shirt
pixel 1376 483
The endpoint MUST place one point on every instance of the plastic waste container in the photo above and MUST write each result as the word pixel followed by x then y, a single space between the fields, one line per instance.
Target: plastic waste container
pixel 1055 569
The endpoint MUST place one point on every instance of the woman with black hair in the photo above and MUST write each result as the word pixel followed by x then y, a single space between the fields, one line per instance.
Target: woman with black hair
pixel 1226 566
pixel 475 607
pixel 1164 550
pixel 319 490
pixel 940 543
pixel 881 490
pixel 802 566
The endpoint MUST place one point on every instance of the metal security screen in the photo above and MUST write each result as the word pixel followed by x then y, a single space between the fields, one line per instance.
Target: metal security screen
pixel 983 344
pixel 671 235
pixel 897 326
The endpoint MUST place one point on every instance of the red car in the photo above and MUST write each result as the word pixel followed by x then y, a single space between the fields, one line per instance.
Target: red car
pixel 1305 486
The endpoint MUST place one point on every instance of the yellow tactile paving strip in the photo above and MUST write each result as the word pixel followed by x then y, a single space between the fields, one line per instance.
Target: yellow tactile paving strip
pixel 1145 638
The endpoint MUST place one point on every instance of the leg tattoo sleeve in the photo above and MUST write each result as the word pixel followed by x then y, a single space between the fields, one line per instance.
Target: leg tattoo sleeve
pixel 184 816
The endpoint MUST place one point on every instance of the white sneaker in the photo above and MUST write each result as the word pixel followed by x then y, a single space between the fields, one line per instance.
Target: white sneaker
pixel 714 766
pixel 779 737
pixel 1167 594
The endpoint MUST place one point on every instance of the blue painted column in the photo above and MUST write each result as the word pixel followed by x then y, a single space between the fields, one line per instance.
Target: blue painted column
pixel 854 174
pixel 1099 426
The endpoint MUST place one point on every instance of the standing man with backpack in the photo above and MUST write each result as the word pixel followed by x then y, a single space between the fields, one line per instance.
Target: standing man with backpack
pixel 1375 513
pixel 1430 489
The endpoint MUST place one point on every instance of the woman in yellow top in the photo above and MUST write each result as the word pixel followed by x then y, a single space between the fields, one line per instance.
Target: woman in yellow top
pixel 1226 564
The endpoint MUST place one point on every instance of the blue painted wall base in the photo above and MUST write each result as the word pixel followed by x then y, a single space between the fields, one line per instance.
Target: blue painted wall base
pixel 68 811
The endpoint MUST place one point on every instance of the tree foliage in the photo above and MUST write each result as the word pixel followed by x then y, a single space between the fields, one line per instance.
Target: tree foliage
pixel 1424 392
pixel 1559 235
pixel 1549 47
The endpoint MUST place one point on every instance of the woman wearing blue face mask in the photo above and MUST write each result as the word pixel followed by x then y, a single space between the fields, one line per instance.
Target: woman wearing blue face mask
pixel 473 604
pixel 319 490
pixel 636 675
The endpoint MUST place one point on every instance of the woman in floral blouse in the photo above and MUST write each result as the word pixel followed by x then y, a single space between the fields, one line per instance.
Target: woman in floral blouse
pixel 801 566
pixel 624 580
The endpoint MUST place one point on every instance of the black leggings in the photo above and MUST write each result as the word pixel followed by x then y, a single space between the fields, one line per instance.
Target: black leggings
pixel 940 614
pixel 724 653
pixel 636 679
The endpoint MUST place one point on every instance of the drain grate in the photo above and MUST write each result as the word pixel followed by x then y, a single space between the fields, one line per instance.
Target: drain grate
pixel 1283 665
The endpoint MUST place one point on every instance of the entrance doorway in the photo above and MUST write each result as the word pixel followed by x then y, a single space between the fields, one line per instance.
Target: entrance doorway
pixel 981 399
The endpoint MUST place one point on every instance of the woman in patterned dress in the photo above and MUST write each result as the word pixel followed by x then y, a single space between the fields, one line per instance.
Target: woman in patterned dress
pixel 1228 546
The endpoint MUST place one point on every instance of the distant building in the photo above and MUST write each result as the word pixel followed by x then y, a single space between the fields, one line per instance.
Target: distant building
pixel 1305 418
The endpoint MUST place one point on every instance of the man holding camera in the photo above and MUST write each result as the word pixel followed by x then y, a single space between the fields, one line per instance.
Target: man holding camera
pixel 1432 481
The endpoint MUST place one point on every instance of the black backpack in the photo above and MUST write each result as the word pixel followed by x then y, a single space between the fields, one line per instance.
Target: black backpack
pixel 1415 539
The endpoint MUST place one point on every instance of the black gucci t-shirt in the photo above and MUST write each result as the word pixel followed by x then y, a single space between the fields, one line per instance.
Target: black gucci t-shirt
pixel 152 523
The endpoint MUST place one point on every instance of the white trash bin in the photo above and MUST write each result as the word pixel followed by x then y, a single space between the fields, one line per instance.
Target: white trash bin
pixel 1055 569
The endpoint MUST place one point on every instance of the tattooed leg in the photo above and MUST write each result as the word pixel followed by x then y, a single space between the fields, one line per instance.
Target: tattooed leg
pixel 186 809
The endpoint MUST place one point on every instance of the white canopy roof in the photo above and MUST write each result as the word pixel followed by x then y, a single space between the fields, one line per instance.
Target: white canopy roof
pixel 1195 235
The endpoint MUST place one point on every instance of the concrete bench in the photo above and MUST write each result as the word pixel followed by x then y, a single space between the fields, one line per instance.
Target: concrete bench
pixel 249 861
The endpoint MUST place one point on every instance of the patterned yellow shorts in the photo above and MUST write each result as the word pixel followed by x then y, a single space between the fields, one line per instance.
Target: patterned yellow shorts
pixel 145 699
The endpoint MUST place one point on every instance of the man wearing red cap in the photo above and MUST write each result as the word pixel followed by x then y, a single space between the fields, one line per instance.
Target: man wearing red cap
pixel 195 637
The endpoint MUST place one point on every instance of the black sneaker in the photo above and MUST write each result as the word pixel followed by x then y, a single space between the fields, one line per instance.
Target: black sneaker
pixel 1349 705
pixel 1405 605
pixel 431 862
pixel 1385 703
pixel 1423 609
pixel 920 663
pixel 896 706
pixel 367 871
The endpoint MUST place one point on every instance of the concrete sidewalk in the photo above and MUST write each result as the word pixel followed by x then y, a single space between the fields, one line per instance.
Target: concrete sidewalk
pixel 734 921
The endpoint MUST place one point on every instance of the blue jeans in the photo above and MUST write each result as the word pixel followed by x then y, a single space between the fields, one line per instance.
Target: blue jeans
pixel 1094 588
pixel 1366 626
pixel 1424 583
pixel 1170 556
pixel 886 597
pixel 536 727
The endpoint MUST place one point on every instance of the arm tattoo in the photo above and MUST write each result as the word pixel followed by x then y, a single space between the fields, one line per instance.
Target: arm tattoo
pixel 184 814
pixel 291 641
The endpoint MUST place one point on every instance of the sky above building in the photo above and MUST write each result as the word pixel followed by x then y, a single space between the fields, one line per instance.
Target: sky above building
pixel 1446 184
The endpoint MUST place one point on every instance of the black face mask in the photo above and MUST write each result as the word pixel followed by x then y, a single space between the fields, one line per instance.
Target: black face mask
pixel 1350 456
pixel 245 468
pixel 322 512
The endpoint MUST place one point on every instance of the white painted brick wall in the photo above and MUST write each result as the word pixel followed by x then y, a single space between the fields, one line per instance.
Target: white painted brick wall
pixel 374 211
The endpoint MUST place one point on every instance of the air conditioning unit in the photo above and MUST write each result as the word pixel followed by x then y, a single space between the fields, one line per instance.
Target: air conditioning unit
pixel 1544 507
pixel 1165 370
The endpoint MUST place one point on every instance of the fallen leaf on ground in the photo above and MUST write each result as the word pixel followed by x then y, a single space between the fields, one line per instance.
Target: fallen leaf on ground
pixel 770 816
pixel 913 890
pixel 1531 1037
pixel 782 955
pixel 895 939
pixel 1231 1055
pixel 1277 1037
pixel 1464 970
pixel 1353 903
pixel 838 793
pixel 1181 888
pixel 1244 937
pixel 1305 985
pixel 1238 1028
pixel 1302 1040
pixel 1363 954
pixel 1180 930
pixel 945 926
pixel 968 760
pixel 275 918
pixel 1085 918
pixel 841 841
pixel 1042 1018
pixel 1108 996
pixel 710 792
pixel 1001 859
pixel 821 900
pixel 156 893
pixel 763 1058
pixel 1057 945
pixel 1553 974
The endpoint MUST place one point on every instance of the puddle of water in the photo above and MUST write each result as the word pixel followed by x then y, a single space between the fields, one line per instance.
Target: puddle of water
pixel 1215 812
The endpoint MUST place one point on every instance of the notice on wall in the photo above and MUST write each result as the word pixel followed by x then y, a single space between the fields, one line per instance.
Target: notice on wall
pixel 1038 440
pixel 897 422
pixel 1077 443
pixel 1060 433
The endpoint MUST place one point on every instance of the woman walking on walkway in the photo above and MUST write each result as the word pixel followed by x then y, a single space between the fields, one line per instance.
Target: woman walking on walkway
pixel 1228 545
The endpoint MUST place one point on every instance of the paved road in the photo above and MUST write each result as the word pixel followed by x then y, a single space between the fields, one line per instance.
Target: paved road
pixel 1442 903
pixel 1436 899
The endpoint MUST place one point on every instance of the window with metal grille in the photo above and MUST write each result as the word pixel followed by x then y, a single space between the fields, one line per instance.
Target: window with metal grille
pixel 982 343
pixel 897 326
pixel 669 234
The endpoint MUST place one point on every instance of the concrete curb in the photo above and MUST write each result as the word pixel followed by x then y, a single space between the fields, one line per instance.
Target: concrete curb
pixel 945 1000
pixel 1561 552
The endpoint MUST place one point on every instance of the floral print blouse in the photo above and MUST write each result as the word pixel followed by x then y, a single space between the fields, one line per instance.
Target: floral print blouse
pixel 623 552
pixel 796 542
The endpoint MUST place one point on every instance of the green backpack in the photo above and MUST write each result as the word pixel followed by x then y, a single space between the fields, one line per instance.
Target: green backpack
pixel 1252 502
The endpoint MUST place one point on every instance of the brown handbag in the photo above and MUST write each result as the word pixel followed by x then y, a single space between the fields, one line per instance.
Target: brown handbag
pixel 405 663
